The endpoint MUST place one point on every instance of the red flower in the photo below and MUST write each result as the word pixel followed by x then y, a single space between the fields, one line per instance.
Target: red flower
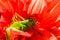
pixel 46 13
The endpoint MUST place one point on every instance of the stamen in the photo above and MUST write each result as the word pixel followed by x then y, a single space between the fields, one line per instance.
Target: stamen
pixel 16 16
pixel 19 16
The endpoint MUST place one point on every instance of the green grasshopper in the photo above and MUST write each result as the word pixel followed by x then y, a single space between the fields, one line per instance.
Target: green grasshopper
pixel 20 25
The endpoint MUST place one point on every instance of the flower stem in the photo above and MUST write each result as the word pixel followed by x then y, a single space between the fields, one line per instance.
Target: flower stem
pixel 0 15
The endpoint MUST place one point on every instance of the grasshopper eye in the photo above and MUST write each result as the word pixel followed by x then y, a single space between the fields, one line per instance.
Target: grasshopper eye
pixel 31 22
